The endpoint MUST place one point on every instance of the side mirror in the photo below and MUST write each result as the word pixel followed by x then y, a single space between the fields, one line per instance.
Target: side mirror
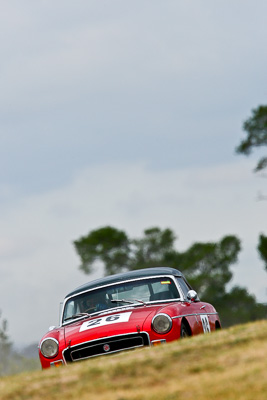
pixel 192 295
pixel 51 328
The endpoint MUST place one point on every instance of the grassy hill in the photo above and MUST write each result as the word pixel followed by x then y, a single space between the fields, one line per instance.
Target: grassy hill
pixel 226 365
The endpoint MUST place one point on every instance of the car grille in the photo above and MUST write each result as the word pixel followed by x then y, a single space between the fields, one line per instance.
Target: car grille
pixel 106 346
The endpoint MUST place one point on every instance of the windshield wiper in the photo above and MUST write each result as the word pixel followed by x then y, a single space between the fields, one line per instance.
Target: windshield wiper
pixel 127 301
pixel 82 314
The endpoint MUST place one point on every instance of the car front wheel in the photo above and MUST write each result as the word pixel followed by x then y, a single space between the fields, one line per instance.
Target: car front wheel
pixel 184 331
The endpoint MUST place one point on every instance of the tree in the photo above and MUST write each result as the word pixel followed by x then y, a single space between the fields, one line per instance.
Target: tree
pixel 238 306
pixel 5 347
pixel 107 244
pixel 113 247
pixel 205 265
pixel 152 250
pixel 11 361
pixel 256 128
pixel 262 248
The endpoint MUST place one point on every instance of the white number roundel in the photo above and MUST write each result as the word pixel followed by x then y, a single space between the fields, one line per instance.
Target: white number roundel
pixel 205 323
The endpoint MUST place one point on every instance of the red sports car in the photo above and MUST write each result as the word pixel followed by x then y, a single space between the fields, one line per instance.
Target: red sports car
pixel 139 308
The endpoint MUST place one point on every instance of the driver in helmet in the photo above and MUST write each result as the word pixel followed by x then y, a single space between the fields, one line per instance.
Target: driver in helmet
pixel 95 302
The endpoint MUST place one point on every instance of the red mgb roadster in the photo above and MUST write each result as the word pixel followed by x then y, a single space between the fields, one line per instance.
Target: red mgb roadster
pixel 121 312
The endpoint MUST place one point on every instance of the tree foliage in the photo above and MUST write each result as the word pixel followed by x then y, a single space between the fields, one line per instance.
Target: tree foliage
pixel 107 244
pixel 151 250
pixel 262 248
pixel 4 339
pixel 120 253
pixel 256 129
pixel 238 306
pixel 12 362
pixel 5 346
pixel 205 265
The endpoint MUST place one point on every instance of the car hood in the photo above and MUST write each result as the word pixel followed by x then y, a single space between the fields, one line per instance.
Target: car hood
pixel 116 322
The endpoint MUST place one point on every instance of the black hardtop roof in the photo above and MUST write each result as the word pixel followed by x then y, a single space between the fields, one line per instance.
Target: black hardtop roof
pixel 139 273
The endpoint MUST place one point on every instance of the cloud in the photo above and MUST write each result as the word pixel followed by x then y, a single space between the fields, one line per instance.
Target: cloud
pixel 88 83
pixel 67 53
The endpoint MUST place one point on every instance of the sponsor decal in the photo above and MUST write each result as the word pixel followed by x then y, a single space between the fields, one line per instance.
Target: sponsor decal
pixel 108 320
pixel 205 323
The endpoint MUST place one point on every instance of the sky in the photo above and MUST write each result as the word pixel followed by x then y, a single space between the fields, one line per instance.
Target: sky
pixel 123 113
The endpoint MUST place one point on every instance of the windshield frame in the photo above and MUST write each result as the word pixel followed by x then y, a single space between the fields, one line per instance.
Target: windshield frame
pixel 120 306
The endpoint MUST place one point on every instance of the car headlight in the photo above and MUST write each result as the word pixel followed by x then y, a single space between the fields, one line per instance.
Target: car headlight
pixel 49 347
pixel 162 323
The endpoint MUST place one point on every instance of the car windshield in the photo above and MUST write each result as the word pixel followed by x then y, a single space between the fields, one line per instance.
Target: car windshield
pixel 137 292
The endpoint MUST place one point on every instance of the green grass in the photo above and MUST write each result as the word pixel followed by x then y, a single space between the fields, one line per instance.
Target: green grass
pixel 227 365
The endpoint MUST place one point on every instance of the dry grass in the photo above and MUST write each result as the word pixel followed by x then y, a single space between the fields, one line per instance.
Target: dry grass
pixel 230 364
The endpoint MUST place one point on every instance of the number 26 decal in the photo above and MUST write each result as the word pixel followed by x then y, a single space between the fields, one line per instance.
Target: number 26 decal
pixel 111 319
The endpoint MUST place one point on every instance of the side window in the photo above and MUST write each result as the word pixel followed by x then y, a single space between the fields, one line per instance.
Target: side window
pixel 183 285
pixel 69 310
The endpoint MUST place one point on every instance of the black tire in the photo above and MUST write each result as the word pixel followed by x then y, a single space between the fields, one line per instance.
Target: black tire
pixel 184 331
pixel 217 326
